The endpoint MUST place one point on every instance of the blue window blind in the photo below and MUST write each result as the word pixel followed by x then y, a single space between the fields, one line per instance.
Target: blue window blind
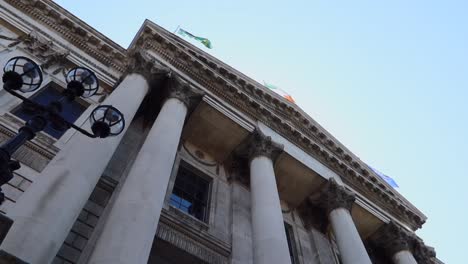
pixel 190 193
pixel 71 111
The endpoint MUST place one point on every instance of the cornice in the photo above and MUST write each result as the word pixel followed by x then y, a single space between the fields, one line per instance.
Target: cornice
pixel 284 109
pixel 74 31
pixel 236 89
pixel 283 118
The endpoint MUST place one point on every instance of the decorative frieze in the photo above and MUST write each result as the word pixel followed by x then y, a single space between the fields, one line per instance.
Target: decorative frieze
pixel 94 44
pixel 238 90
pixel 249 99
pixel 192 239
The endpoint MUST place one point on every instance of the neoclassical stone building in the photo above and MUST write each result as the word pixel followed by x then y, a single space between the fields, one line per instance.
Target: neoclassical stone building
pixel 212 167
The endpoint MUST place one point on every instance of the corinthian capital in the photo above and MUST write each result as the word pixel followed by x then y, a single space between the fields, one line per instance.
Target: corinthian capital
pixel 261 145
pixel 392 239
pixel 141 62
pixel 423 253
pixel 336 196
pixel 182 91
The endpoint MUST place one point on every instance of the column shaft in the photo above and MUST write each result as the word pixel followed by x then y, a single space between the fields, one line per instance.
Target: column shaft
pixel 131 225
pixel 45 213
pixel 404 257
pixel 347 237
pixel 269 237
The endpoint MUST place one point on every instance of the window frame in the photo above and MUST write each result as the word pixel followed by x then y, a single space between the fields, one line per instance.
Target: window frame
pixel 198 172
pixel 12 103
pixel 57 87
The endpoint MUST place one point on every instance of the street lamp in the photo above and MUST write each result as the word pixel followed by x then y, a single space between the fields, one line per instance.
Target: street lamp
pixel 24 75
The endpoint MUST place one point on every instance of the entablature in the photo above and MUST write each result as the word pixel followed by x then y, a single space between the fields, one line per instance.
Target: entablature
pixel 233 87
pixel 59 29
pixel 253 100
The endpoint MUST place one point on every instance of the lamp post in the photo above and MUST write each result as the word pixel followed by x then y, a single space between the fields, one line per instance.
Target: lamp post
pixel 24 75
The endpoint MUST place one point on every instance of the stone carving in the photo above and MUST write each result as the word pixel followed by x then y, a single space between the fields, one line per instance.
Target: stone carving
pixel 262 145
pixel 257 144
pixel 298 128
pixel 423 253
pixel 392 239
pixel 141 62
pixel 89 41
pixel 246 95
pixel 336 196
pixel 181 90
pixel 43 49
pixel 184 242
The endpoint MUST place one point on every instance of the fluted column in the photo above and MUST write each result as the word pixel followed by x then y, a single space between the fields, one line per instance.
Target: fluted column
pixel 338 202
pixel 45 213
pixel 131 225
pixel 269 237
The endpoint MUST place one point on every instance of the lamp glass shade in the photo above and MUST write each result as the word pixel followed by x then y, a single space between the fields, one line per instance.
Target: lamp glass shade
pixel 84 77
pixel 24 73
pixel 107 118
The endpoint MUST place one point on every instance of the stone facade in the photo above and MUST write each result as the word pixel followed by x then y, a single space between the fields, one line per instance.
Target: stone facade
pixel 273 185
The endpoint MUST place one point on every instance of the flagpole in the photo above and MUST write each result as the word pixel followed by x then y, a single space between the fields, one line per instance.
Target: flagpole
pixel 177 29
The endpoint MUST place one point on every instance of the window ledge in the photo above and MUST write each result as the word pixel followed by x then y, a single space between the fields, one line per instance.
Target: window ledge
pixel 187 219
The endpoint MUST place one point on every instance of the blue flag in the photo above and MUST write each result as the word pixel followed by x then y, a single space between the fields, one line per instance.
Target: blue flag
pixel 386 178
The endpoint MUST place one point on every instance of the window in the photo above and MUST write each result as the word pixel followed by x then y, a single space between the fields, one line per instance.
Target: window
pixel 291 243
pixel 190 193
pixel 71 111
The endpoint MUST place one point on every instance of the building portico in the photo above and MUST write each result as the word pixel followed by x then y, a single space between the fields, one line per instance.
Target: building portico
pixel 212 167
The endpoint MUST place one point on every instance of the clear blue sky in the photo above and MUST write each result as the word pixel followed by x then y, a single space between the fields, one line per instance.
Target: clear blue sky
pixel 388 78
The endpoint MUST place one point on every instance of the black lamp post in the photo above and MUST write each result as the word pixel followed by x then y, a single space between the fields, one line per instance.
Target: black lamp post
pixel 24 75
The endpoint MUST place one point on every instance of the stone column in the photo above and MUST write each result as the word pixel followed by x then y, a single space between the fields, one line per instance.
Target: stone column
pixel 396 243
pixel 404 257
pixel 45 213
pixel 338 202
pixel 423 253
pixel 131 225
pixel 269 237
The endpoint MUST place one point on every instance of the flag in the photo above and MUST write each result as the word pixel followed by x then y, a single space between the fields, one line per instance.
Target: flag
pixel 203 41
pixel 279 91
pixel 386 178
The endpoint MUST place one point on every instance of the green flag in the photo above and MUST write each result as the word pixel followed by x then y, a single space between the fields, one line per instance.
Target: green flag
pixel 203 41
